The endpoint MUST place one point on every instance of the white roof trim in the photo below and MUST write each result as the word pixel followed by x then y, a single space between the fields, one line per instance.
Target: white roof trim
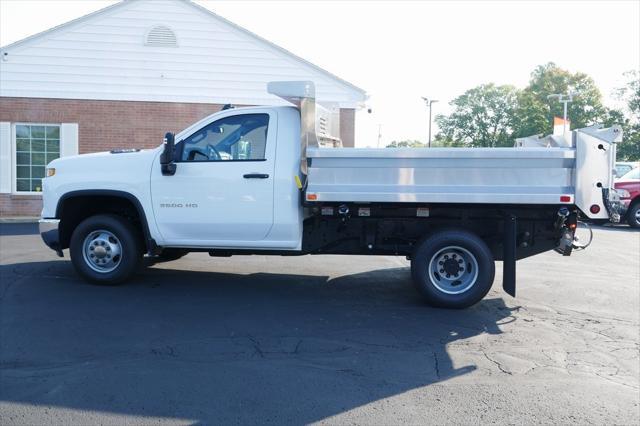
pixel 73 22
pixel 115 7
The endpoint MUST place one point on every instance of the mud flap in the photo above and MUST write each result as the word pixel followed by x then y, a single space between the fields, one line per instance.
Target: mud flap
pixel 509 256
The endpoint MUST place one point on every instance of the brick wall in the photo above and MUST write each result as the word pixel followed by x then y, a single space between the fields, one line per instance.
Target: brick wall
pixel 106 125
pixel 20 205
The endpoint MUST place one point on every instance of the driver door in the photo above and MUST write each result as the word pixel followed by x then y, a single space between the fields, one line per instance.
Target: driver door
pixel 222 192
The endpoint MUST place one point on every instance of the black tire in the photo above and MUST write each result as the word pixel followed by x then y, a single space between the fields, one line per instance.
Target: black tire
pixel 632 215
pixel 439 246
pixel 128 244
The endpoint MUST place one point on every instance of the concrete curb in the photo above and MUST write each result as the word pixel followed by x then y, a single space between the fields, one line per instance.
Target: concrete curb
pixel 23 219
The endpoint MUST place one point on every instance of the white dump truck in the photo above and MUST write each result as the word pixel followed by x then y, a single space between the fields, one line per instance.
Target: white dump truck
pixel 256 180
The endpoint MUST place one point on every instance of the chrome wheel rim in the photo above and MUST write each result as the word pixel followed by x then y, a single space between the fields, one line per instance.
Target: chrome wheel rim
pixel 638 216
pixel 453 270
pixel 102 251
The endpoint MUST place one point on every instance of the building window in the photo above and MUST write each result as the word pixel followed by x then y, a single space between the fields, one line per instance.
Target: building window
pixel 36 146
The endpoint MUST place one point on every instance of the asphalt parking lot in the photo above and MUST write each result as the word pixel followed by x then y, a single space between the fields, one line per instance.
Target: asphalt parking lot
pixel 328 339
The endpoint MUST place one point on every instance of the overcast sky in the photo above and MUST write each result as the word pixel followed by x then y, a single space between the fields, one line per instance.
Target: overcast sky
pixel 400 51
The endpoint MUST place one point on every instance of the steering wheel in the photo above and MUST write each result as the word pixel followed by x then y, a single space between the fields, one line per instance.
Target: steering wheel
pixel 195 150
pixel 213 151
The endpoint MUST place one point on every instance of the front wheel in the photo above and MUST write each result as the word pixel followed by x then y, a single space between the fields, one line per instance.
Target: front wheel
pixel 453 269
pixel 105 249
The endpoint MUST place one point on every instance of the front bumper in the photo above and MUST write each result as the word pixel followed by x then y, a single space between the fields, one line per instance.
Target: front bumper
pixel 626 202
pixel 50 234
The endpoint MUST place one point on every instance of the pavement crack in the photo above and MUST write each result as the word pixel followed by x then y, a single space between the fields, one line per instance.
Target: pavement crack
pixel 167 350
pixel 256 346
pixel 377 345
pixel 499 365
pixel 295 351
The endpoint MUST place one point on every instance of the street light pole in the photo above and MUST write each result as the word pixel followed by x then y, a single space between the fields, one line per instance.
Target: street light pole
pixel 429 103
pixel 564 118
pixel 564 99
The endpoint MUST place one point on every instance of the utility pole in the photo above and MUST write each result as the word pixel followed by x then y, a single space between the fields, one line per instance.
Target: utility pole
pixel 429 103
pixel 379 134
pixel 565 99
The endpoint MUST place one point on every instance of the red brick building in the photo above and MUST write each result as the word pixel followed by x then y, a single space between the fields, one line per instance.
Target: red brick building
pixel 123 76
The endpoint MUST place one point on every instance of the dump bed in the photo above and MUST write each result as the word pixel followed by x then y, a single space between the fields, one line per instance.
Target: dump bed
pixel 580 174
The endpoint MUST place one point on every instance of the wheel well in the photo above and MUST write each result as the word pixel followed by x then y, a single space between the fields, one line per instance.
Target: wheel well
pixel 634 202
pixel 74 209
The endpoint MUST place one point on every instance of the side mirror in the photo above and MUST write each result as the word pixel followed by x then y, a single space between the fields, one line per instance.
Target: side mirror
pixel 167 165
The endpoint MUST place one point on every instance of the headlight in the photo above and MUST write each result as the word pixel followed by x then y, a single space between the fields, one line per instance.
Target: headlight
pixel 51 171
pixel 623 193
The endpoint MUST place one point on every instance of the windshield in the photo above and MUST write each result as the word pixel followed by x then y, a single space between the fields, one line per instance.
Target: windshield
pixel 633 174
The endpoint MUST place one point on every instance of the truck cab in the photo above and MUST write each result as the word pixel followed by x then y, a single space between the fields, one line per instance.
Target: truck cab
pixel 233 184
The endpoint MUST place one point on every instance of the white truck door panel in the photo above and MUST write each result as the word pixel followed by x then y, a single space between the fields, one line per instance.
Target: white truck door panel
pixel 222 192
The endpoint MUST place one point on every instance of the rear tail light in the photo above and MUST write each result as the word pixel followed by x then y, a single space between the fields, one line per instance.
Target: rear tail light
pixel 595 209
pixel 565 199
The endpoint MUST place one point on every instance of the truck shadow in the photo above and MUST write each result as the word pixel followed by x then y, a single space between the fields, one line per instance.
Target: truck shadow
pixel 207 347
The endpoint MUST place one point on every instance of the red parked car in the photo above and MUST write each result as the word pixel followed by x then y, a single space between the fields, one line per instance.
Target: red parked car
pixel 628 187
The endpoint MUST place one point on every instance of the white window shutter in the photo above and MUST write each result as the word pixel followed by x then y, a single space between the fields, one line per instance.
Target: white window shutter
pixel 6 163
pixel 68 139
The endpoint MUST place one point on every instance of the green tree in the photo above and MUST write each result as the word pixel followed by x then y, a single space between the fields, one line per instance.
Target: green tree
pixel 629 149
pixel 482 116
pixel 490 115
pixel 630 93
pixel 406 144
pixel 441 141
pixel 535 111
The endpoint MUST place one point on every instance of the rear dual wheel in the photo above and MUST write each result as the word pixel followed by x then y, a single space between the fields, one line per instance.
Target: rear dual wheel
pixel 453 269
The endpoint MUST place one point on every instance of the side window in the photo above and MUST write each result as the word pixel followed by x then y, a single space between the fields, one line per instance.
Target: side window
pixel 234 138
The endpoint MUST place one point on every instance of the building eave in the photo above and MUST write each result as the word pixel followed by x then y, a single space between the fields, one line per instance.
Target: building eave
pixel 65 25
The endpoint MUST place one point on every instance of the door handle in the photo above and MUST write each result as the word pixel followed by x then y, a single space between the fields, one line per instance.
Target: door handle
pixel 255 176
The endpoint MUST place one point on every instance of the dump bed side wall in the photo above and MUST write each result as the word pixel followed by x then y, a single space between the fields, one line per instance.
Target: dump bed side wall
pixel 443 175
